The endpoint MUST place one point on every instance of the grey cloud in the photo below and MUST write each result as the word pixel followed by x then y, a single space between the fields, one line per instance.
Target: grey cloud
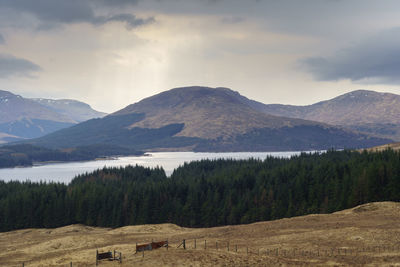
pixel 2 40
pixel 232 20
pixel 375 59
pixel 53 12
pixel 116 3
pixel 329 18
pixel 131 20
pixel 314 17
pixel 11 66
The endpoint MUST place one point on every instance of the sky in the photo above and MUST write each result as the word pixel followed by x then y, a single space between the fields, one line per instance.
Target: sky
pixel 112 53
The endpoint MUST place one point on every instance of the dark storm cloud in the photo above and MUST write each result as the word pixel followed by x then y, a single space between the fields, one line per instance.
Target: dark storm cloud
pixel 52 12
pixel 376 58
pixel 11 66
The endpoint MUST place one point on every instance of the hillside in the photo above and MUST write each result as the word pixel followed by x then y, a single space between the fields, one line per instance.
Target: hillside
pixel 205 119
pixel 22 118
pixel 394 146
pixel 362 110
pixel 366 235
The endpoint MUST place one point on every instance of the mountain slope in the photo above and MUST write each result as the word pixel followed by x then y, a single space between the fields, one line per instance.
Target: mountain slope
pixel 366 111
pixel 76 110
pixel 204 119
pixel 22 118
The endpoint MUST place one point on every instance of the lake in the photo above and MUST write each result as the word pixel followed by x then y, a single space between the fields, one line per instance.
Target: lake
pixel 65 172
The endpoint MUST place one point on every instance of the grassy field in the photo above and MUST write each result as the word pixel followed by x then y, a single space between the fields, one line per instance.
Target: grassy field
pixel 394 146
pixel 368 235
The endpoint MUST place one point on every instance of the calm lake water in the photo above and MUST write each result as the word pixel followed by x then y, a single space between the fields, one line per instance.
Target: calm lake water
pixel 65 172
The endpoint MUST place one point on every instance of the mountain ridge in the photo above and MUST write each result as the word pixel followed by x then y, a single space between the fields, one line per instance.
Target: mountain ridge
pixel 22 118
pixel 205 119
pixel 203 109
pixel 361 110
pixel 76 110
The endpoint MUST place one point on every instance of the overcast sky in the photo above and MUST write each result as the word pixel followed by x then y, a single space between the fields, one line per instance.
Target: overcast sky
pixel 112 53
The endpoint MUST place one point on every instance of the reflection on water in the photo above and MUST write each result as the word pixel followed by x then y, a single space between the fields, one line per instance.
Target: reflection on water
pixel 64 172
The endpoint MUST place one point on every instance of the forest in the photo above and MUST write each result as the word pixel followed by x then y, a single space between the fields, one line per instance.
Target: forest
pixel 206 193
pixel 27 154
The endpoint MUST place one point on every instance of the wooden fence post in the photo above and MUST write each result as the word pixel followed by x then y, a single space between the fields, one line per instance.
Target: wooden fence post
pixel 120 258
pixel 235 248
pixel 228 245
pixel 167 244
pixel 205 244
pixel 70 264
pixel 247 250
pixel 195 243
pixel 216 244
pixel 184 243
pixel 97 254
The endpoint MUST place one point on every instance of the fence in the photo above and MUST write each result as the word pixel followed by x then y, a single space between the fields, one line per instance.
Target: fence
pixel 292 252
pixel 282 251
pixel 228 246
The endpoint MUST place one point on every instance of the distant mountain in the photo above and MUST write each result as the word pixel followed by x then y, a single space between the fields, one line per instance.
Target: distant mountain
pixel 22 118
pixel 366 111
pixel 204 119
pixel 76 110
pixel 14 107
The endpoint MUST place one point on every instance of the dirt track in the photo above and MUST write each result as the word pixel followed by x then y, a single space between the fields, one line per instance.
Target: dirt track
pixel 367 235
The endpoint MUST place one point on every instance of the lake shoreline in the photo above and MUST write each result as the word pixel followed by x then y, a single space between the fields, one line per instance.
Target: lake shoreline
pixel 65 171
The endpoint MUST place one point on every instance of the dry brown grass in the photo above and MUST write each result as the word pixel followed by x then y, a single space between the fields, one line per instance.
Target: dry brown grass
pixel 368 235
pixel 394 146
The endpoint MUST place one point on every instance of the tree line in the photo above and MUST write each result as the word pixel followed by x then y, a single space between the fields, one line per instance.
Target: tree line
pixel 27 154
pixel 206 193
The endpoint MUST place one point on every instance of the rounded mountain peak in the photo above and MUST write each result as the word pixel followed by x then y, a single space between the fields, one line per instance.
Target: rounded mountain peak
pixel 198 96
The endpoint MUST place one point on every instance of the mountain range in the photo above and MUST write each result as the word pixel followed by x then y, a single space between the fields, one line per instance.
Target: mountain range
pixel 206 119
pixel 22 118
pixel 364 111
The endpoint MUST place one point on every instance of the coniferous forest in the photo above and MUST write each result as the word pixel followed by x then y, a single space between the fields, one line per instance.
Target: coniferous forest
pixel 206 193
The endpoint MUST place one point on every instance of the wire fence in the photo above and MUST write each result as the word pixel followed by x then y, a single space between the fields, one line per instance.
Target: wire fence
pixel 273 251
